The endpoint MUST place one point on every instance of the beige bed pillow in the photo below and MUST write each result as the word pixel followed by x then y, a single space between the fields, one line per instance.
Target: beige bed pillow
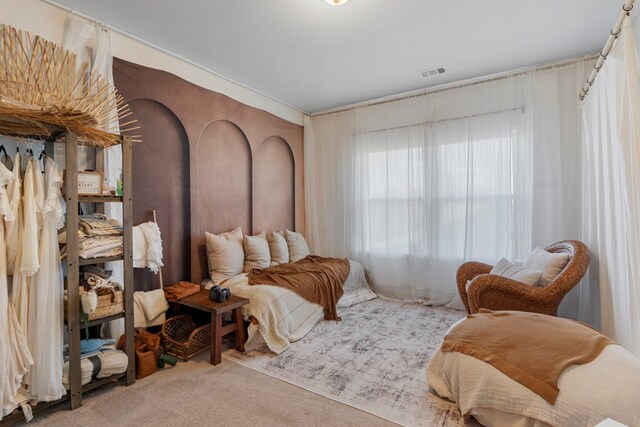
pixel 278 248
pixel 297 245
pixel 256 252
pixel 225 254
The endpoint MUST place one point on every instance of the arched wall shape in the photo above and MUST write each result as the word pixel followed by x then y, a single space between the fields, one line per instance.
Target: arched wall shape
pixel 274 186
pixel 161 182
pixel 225 177
pixel 222 135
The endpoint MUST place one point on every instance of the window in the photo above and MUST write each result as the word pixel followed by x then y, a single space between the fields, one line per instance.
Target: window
pixel 443 192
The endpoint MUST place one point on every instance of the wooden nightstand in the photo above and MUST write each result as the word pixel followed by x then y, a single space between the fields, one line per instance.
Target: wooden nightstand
pixel 234 305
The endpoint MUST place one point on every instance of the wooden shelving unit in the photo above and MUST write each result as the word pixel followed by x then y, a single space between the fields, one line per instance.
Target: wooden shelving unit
pixel 74 320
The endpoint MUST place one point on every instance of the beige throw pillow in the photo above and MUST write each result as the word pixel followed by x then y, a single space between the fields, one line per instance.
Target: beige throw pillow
pixel 297 245
pixel 521 274
pixel 256 252
pixel 278 248
pixel 548 263
pixel 225 254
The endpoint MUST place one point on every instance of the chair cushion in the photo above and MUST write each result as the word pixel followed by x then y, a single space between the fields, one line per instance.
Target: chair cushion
pixel 521 274
pixel 550 264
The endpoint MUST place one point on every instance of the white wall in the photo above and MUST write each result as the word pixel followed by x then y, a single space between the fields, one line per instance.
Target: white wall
pixel 47 21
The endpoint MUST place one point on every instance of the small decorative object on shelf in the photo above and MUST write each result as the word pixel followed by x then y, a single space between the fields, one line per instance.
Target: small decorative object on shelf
pixel 90 183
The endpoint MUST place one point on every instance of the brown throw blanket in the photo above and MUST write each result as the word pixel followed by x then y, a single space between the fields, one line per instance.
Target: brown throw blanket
pixel 318 280
pixel 180 290
pixel 532 349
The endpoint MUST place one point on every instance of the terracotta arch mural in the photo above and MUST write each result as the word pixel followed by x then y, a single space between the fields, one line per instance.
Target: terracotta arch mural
pixel 224 175
pixel 274 186
pixel 164 188
pixel 212 157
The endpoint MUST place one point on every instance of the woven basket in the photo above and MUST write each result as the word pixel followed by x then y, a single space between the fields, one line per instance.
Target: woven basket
pixel 183 339
pixel 106 307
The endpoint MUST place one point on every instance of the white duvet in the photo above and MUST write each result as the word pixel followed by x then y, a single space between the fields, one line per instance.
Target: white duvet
pixel 608 387
pixel 285 317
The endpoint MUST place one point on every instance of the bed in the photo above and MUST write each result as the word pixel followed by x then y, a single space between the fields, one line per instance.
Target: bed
pixel 280 317
pixel 606 387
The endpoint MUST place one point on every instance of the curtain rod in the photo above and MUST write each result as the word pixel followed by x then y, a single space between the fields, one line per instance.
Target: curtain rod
pixel 450 119
pixel 626 8
pixel 460 84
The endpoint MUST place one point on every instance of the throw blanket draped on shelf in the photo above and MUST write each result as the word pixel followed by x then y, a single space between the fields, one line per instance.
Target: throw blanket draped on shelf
pixel 532 349
pixel 317 279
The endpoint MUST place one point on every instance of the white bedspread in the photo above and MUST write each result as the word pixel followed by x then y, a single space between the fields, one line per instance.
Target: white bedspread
pixel 606 387
pixel 285 317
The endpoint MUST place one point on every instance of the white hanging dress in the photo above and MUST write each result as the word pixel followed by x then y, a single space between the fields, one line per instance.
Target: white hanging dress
pixel 47 285
pixel 33 202
pixel 14 191
pixel 15 235
pixel 14 353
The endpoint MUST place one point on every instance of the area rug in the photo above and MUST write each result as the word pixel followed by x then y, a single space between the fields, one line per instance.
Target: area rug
pixel 375 359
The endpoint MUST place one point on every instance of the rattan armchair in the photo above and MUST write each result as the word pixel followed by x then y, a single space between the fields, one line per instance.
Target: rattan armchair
pixel 500 293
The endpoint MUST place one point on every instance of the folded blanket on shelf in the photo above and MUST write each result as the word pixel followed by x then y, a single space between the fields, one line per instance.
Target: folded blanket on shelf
pixel 99 225
pixel 95 247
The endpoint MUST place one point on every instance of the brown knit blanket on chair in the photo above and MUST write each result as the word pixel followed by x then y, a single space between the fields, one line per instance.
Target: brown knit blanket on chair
pixel 317 279
pixel 532 349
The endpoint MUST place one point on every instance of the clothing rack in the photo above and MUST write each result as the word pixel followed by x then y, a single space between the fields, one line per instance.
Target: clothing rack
pixel 626 8
pixel 73 262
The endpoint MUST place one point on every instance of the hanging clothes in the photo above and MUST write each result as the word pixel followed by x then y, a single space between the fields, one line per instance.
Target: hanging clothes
pixel 27 243
pixel 47 286
pixel 33 203
pixel 14 192
pixel 15 357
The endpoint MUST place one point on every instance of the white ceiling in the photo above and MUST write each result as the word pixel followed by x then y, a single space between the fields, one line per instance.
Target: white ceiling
pixel 314 56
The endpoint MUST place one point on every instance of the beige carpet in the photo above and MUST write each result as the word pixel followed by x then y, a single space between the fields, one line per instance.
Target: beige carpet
pixel 197 394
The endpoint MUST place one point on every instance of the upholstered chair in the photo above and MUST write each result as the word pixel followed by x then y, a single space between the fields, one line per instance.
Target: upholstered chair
pixel 501 293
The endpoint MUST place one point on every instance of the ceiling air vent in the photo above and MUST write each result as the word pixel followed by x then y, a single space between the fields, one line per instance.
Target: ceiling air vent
pixel 432 72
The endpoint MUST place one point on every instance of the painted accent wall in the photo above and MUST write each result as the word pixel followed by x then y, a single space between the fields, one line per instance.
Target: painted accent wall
pixel 207 163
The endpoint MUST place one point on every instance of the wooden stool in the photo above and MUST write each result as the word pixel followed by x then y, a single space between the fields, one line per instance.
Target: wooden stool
pixel 233 304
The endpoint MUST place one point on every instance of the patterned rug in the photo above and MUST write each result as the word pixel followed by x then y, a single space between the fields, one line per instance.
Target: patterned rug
pixel 375 359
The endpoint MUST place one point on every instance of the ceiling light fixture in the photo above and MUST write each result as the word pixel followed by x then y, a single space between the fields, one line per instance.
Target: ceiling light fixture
pixel 336 2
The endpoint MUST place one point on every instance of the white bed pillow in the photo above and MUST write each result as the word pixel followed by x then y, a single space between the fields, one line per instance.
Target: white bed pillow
pixel 278 248
pixel 550 264
pixel 225 254
pixel 256 252
pixel 298 248
pixel 521 274
pixel 605 387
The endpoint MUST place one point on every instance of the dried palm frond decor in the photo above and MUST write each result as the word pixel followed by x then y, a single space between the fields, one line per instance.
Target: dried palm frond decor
pixel 43 91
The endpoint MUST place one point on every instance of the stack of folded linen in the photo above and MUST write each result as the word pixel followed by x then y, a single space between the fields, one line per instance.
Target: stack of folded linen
pixel 96 247
pixel 98 236
pixel 99 225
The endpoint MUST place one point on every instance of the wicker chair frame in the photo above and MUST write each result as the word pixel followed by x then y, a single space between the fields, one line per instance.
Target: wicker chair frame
pixel 500 293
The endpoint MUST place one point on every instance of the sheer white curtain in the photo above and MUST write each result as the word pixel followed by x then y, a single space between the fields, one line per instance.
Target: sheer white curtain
pixel 92 44
pixel 413 188
pixel 611 135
